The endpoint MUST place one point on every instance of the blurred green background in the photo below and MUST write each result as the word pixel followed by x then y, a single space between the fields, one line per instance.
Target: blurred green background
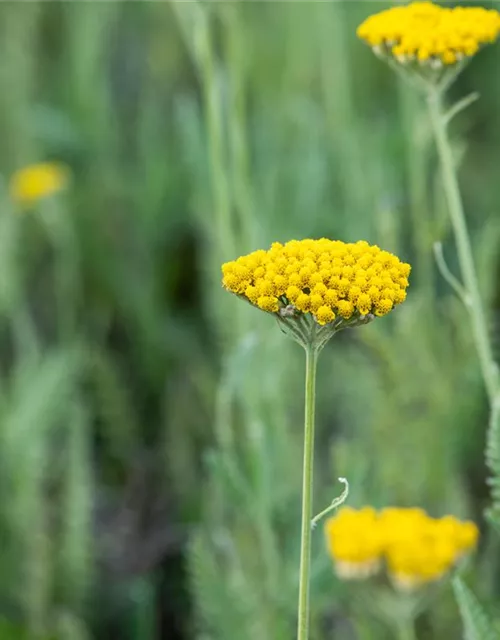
pixel 150 423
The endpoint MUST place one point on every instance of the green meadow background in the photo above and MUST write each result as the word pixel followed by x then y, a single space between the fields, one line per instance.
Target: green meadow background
pixel 151 423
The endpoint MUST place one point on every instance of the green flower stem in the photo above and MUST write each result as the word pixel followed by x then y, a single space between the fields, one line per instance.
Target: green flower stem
pixel 307 482
pixel 406 630
pixel 464 251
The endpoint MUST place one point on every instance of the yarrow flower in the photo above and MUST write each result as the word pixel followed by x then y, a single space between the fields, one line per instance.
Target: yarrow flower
pixel 331 282
pixel 355 542
pixel 314 288
pixel 427 37
pixel 415 548
pixel 37 181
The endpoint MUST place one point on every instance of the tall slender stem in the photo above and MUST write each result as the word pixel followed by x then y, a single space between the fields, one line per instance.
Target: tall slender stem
pixel 307 482
pixel 464 251
pixel 406 630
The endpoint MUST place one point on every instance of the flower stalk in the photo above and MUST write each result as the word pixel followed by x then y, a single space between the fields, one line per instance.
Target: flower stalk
pixel 471 295
pixel 406 630
pixel 312 353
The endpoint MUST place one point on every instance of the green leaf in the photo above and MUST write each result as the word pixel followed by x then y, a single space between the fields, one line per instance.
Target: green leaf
pixel 492 456
pixel 75 545
pixel 477 624
pixel 220 613
pixel 11 631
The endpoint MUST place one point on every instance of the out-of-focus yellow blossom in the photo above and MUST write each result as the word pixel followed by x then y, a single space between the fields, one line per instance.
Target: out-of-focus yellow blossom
pixel 355 542
pixel 416 548
pixel 420 549
pixel 37 181
pixel 428 34
pixel 328 279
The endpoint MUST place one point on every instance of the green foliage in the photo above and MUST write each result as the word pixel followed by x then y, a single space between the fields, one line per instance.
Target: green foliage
pixel 493 463
pixel 140 405
pixel 477 625
pixel 225 604
pixel 396 365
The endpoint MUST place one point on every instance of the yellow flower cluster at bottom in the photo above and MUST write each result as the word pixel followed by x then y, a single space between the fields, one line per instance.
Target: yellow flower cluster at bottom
pixel 416 548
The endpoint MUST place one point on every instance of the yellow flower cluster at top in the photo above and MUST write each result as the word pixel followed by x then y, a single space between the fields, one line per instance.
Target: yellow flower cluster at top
pixel 325 278
pixel 427 32
pixel 416 548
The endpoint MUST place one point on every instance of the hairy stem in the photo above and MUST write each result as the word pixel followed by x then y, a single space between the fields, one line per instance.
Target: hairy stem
pixel 462 240
pixel 307 482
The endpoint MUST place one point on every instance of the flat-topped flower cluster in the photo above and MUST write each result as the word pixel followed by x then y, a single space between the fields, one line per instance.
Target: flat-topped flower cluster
pixel 415 548
pixel 324 278
pixel 429 33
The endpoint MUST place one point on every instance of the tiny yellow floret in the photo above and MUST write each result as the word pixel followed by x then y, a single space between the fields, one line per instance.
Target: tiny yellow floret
pixel 35 182
pixel 292 293
pixel 345 309
pixel 316 301
pixel 268 303
pixel 383 307
pixel 303 302
pixel 324 315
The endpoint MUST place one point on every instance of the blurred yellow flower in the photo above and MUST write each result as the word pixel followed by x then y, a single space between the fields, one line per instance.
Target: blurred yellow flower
pixel 428 35
pixel 37 181
pixel 416 548
pixel 355 542
pixel 328 279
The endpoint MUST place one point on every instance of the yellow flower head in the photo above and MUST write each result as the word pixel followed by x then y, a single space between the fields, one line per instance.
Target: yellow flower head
pixel 427 36
pixel 416 548
pixel 355 542
pixel 37 181
pixel 421 549
pixel 328 280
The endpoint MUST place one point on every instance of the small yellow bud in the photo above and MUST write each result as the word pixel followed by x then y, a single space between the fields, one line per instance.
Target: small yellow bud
pixel 345 308
pixel 303 302
pixel 316 301
pixel 292 293
pixel 383 306
pixel 268 303
pixel 324 315
pixel 364 304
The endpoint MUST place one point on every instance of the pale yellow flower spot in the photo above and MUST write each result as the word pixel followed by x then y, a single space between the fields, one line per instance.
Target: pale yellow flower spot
pixel 37 181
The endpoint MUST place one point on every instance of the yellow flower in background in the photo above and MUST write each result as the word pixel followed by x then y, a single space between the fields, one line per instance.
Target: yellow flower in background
pixel 330 280
pixel 355 542
pixel 416 548
pixel 428 35
pixel 420 549
pixel 37 181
